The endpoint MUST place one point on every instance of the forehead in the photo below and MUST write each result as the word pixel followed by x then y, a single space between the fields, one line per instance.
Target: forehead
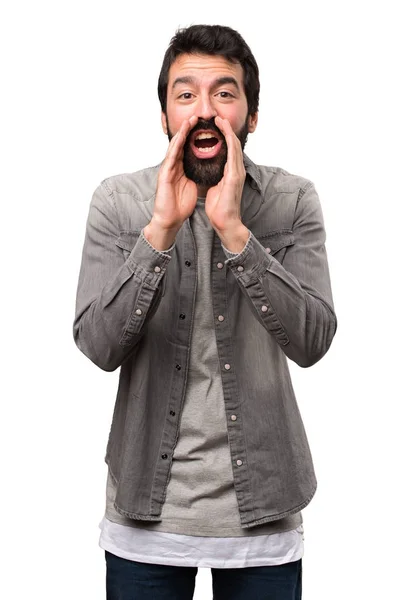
pixel 204 68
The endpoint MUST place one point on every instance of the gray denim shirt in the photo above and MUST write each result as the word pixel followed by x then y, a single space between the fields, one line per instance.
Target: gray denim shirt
pixel 134 310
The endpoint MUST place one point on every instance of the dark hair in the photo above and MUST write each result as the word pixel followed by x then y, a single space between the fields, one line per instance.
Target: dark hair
pixel 214 40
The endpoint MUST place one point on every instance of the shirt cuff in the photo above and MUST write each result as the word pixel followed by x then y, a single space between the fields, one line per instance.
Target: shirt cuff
pixel 248 267
pixel 147 263
pixel 251 261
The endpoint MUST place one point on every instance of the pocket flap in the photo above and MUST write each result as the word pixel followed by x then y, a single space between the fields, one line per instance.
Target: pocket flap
pixel 127 240
pixel 276 240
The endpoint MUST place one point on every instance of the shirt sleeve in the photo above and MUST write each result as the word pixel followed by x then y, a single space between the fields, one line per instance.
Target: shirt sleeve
pixel 116 296
pixel 292 301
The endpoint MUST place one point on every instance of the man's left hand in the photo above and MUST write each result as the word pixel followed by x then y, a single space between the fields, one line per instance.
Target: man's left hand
pixel 223 200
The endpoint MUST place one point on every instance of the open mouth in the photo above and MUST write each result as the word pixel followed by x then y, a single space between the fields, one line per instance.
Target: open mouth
pixel 205 144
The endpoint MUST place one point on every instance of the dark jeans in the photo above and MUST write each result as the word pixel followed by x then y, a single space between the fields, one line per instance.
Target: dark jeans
pixel 131 580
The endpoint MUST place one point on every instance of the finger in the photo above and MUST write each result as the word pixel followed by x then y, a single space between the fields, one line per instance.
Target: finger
pixel 235 154
pixel 178 141
pixel 231 138
pixel 185 127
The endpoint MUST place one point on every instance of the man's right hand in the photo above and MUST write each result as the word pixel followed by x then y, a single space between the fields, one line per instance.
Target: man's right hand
pixel 176 195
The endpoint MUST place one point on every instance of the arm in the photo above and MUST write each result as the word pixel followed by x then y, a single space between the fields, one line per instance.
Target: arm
pixel 292 301
pixel 115 297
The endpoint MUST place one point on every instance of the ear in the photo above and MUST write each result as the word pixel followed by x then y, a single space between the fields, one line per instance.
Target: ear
pixel 164 123
pixel 252 121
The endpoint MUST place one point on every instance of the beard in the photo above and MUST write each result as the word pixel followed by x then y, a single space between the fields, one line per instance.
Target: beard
pixel 207 172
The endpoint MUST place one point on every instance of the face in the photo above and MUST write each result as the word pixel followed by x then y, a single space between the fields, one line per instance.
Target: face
pixel 206 86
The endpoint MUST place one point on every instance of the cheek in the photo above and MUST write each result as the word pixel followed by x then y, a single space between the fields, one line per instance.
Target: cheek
pixel 177 116
pixel 235 118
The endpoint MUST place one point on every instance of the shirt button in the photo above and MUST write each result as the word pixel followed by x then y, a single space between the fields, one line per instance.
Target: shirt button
pixel 178 367
pixel 187 263
pixel 182 316
pixel 227 366
pixel 268 250
pixel 264 308
pixel 240 268
pixel 157 269
pixel 221 318
pixel 220 265
pixel 233 417
pixel 164 456
pixel 239 463
pixel 138 311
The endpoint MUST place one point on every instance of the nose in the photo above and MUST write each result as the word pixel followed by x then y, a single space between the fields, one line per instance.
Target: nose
pixel 205 108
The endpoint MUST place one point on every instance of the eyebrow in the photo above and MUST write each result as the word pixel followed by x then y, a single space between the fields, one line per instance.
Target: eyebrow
pixel 185 80
pixel 220 81
pixel 227 80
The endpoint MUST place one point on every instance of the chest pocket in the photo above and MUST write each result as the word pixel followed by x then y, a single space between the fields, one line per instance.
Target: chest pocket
pixel 127 241
pixel 277 242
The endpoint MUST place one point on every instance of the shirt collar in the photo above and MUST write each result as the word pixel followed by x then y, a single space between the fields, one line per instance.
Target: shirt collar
pixel 252 170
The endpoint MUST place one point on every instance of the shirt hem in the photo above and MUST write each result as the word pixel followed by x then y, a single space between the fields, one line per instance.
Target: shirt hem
pixel 202 562
pixel 193 529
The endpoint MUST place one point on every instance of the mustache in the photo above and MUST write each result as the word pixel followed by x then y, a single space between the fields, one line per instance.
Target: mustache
pixel 207 124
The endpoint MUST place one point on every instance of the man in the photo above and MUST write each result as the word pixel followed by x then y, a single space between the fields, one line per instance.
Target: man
pixel 198 278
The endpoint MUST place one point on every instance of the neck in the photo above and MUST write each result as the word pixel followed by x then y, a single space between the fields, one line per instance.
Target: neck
pixel 202 191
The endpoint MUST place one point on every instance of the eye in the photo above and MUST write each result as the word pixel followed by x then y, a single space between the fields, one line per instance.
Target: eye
pixel 186 96
pixel 225 94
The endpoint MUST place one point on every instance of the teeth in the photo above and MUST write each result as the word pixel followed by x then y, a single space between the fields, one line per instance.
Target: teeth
pixel 204 136
pixel 205 150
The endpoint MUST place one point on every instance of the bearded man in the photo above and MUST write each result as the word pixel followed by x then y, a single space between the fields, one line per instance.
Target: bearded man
pixel 199 278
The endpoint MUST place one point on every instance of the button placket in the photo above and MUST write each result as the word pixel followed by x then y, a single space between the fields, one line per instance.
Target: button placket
pixel 237 446
pixel 185 297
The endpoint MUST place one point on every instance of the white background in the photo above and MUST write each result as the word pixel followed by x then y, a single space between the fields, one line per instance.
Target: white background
pixel 79 103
